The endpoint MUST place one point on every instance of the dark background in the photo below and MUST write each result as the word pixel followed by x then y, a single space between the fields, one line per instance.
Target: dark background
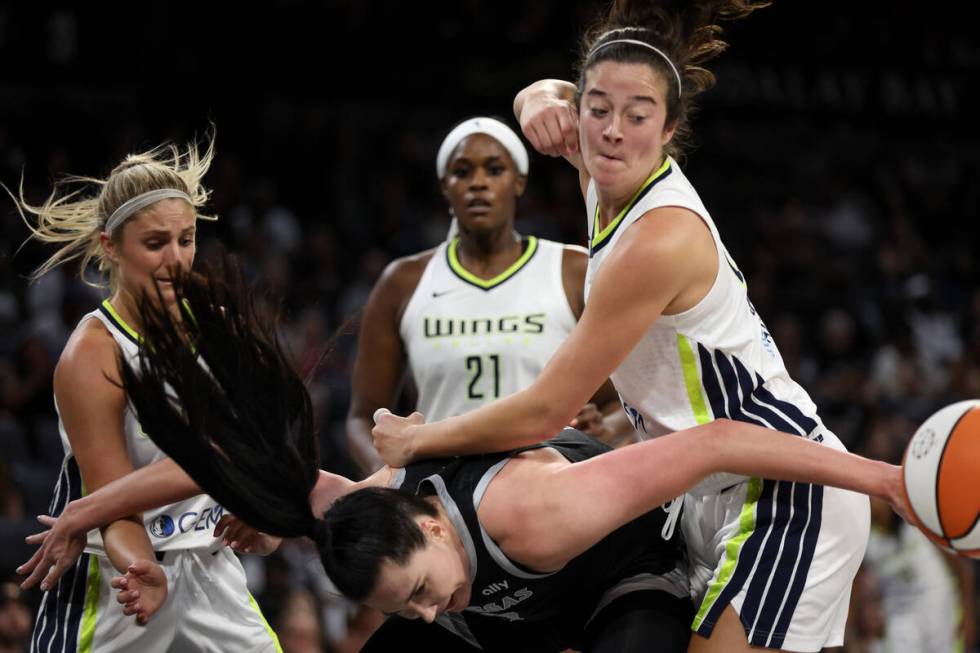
pixel 838 155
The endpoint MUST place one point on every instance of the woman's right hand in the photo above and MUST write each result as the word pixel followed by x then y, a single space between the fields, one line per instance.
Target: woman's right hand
pixel 393 437
pixel 60 547
pixel 549 118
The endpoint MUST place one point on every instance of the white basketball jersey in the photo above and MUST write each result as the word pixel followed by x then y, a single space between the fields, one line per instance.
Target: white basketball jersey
pixel 715 359
pixel 184 525
pixel 470 341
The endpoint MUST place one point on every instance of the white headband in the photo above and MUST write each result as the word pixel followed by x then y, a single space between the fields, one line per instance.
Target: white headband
pixel 491 127
pixel 131 206
pixel 670 63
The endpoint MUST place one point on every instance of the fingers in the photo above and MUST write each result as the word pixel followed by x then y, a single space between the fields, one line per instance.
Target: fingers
pixel 552 124
pixel 378 414
pixel 37 538
pixel 30 567
pixel 59 567
pixel 540 139
pixel 554 130
pixel 222 524
pixel 47 520
pixel 43 570
pixel 588 413
pixel 140 568
pixel 568 123
pixel 127 597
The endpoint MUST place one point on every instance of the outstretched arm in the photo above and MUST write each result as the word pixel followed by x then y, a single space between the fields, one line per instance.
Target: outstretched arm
pixel 570 507
pixel 149 487
pixel 657 259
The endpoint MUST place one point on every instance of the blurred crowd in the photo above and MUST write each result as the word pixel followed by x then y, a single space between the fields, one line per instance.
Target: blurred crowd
pixel 847 195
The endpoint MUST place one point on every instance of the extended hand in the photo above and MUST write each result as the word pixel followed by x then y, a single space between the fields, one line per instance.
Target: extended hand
pixel 142 590
pixel 393 437
pixel 243 538
pixel 60 547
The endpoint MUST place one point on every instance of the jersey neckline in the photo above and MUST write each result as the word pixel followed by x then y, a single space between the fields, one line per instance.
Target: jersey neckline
pixel 114 317
pixel 601 238
pixel 489 284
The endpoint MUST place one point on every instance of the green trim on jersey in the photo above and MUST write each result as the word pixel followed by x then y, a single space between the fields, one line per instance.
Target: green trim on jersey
pixel 89 615
pixel 599 236
pixel 272 633
pixel 119 322
pixel 733 547
pixel 487 284
pixel 692 380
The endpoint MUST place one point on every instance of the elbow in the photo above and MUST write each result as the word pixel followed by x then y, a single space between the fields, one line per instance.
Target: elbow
pixel 549 421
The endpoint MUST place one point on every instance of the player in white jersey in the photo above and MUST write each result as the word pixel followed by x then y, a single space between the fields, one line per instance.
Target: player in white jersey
pixel 668 317
pixel 139 227
pixel 477 317
pixel 537 549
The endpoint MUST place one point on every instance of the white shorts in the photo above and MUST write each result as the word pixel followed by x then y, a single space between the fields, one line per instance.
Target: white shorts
pixel 208 608
pixel 782 554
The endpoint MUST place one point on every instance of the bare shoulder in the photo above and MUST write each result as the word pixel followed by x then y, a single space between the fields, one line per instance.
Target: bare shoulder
pixel 397 283
pixel 672 247
pixel 669 229
pixel 90 347
pixel 666 239
pixel 407 270
pixel 513 502
pixel 402 275
pixel 89 361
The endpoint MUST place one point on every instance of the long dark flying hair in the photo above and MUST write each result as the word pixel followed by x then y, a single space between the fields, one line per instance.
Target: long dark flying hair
pixel 215 391
pixel 687 31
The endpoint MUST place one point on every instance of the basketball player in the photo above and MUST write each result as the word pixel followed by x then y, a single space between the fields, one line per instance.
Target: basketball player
pixel 569 522
pixel 139 226
pixel 477 317
pixel 669 319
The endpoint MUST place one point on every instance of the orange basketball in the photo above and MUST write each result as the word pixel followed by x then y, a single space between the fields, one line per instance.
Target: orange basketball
pixel 941 470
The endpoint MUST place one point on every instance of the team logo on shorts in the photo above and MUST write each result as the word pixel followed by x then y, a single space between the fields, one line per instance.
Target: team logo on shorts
pixel 162 526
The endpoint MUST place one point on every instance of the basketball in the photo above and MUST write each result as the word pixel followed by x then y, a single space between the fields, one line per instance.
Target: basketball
pixel 941 470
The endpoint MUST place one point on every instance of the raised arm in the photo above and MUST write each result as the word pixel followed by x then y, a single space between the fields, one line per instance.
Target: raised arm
pixel 658 262
pixel 559 512
pixel 548 115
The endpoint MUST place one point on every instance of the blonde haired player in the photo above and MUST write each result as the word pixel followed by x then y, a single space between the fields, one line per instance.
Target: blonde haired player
pixel 139 226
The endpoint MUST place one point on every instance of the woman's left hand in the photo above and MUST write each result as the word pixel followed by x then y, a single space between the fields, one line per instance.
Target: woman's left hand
pixel 142 590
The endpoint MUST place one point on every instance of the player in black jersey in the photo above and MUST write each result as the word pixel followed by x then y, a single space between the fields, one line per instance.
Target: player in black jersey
pixel 537 548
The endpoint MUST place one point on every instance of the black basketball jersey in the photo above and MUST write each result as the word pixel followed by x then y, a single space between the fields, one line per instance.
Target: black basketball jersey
pixel 632 558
